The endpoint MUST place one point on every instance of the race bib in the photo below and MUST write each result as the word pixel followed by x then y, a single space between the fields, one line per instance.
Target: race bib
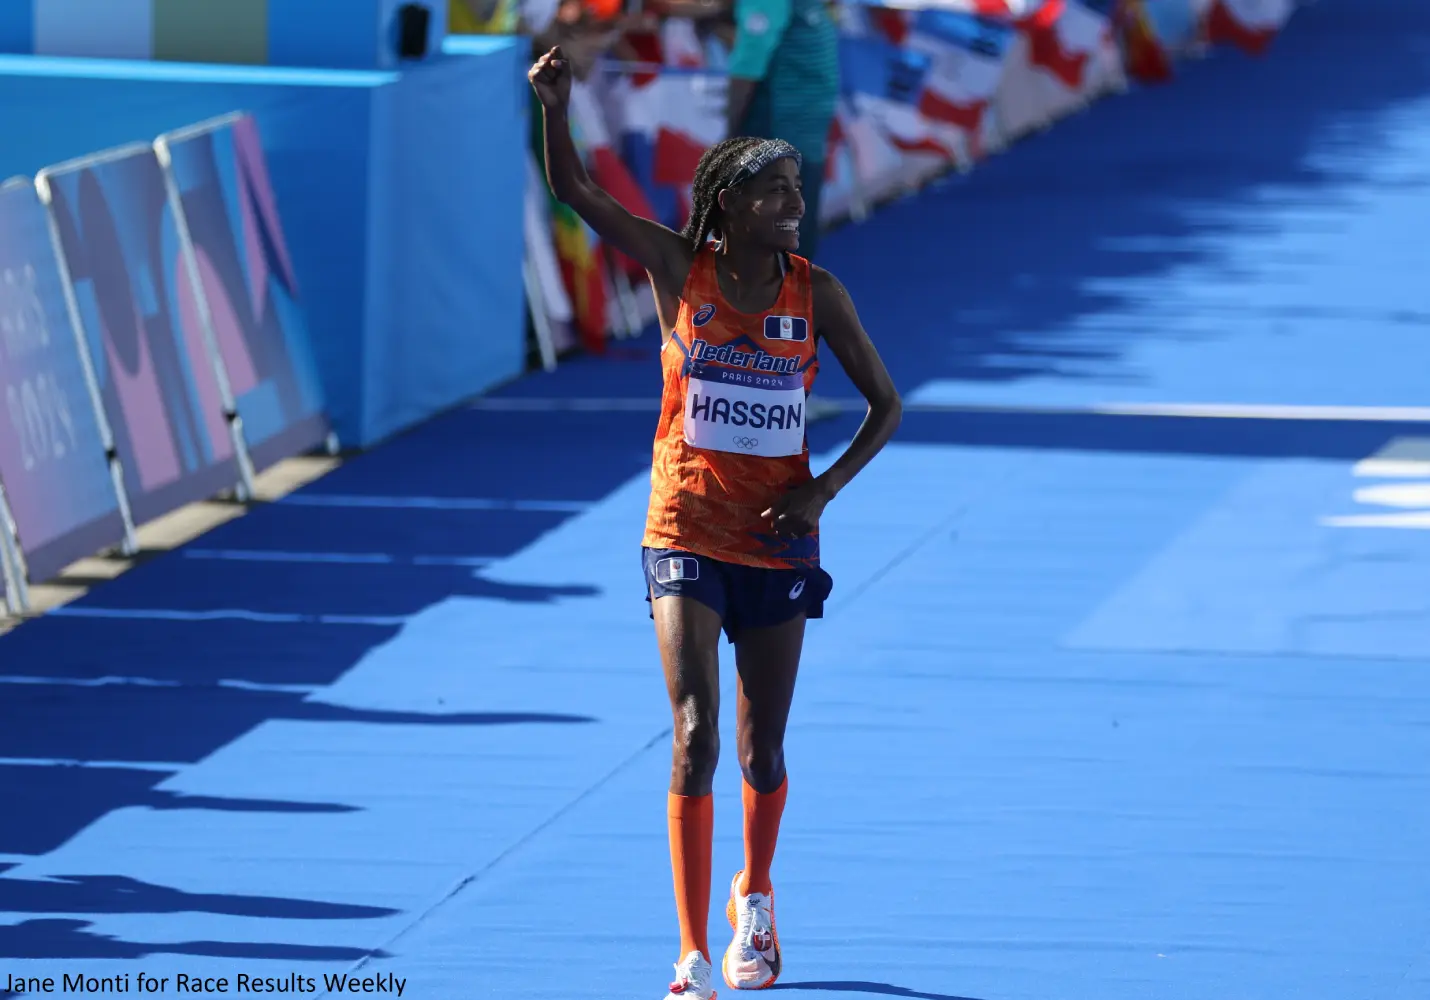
pixel 749 413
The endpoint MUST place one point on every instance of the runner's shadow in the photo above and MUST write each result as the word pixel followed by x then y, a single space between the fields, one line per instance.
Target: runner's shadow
pixel 878 989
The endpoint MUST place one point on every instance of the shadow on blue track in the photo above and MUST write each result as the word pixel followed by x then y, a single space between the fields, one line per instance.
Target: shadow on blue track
pixel 58 800
pixel 68 938
pixel 872 989
pixel 203 651
pixel 106 894
pixel 71 894
pixel 115 722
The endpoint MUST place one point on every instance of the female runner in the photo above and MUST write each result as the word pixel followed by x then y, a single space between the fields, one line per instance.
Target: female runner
pixel 732 531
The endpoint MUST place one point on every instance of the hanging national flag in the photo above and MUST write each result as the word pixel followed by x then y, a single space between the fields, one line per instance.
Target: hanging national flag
pixel 1248 24
pixel 1065 56
pixel 640 125
pixel 680 44
pixel 886 22
pixel 966 54
pixel 555 302
pixel 633 99
pixel 605 165
pixel 1154 34
pixel 691 110
pixel 1142 50
pixel 885 84
pixel 1088 61
pixel 1006 9
pixel 1046 48
pixel 1072 41
pixel 841 185
pixel 582 266
pixel 583 272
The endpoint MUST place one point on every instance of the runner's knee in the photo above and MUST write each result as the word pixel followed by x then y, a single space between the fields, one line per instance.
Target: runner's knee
pixel 762 764
pixel 696 744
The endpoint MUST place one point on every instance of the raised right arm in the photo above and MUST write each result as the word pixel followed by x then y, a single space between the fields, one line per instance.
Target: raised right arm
pixel 663 252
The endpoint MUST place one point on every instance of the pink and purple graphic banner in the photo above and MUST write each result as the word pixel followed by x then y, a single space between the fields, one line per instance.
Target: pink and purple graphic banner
pixel 52 455
pixel 121 241
pixel 249 284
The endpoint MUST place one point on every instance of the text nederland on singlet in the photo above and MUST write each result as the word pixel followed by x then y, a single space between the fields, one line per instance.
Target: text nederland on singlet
pixel 757 409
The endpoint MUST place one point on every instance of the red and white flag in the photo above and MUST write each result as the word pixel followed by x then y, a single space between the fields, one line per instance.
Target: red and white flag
pixel 1250 25
pixel 690 118
pixel 1066 55
pixel 605 165
pixel 967 55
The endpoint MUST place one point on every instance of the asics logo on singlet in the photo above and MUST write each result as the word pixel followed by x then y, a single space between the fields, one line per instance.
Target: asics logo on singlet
pixel 759 361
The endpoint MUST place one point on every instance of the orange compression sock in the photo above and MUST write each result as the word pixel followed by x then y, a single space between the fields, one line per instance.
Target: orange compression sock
pixel 762 831
pixel 691 821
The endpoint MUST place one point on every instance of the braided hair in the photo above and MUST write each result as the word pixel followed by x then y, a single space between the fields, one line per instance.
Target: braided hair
pixel 727 164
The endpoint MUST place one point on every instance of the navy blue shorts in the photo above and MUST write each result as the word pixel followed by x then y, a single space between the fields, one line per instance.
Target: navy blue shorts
pixel 743 596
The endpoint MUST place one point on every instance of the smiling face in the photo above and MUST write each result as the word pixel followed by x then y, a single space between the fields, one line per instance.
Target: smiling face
pixel 766 210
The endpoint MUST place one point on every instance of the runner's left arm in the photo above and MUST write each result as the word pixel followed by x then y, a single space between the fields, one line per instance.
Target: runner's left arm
pixel 839 326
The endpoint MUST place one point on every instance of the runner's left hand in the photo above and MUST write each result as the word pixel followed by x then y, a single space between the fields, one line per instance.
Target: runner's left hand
pixel 797 512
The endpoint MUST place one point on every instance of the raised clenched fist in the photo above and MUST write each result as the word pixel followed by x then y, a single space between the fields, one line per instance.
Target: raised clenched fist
pixel 550 77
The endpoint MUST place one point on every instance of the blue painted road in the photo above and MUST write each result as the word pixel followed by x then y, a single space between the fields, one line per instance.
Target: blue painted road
pixel 1123 691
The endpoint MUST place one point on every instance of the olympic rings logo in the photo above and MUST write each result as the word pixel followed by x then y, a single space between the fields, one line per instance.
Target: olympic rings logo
pixel 745 442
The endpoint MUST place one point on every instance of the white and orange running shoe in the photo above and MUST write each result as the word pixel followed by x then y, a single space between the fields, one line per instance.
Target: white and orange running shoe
pixel 694 979
pixel 752 962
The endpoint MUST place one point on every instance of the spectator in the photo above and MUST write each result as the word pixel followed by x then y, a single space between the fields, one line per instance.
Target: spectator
pixel 784 84
pixel 586 30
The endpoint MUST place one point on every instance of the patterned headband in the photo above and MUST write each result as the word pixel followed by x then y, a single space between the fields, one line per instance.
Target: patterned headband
pixel 760 157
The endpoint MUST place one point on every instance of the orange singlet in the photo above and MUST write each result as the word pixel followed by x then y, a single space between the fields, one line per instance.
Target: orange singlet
pixel 731 436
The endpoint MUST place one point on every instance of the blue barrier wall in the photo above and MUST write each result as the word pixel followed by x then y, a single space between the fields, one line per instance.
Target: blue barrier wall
pixel 331 34
pixel 401 193
pixel 348 34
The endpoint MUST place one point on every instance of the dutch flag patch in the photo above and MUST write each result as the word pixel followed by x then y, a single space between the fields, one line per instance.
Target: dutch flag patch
pixel 674 569
pixel 793 328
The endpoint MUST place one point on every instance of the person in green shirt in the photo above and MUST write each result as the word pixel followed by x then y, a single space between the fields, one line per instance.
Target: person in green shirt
pixel 784 84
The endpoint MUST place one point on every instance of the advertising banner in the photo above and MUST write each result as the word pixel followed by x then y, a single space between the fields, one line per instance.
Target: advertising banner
pixel 53 460
pixel 162 389
pixel 12 586
pixel 249 298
